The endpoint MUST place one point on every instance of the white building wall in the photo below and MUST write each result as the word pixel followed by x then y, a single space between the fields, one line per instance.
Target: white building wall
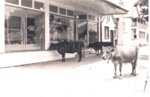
pixel 127 31
pixel 111 26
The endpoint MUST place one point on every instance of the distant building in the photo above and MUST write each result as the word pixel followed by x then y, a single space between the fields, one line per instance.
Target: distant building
pixel 134 29
pixel 108 29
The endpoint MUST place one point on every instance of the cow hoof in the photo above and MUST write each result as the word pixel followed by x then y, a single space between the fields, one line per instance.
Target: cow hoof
pixel 115 77
pixel 79 61
pixel 120 77
pixel 63 60
pixel 133 74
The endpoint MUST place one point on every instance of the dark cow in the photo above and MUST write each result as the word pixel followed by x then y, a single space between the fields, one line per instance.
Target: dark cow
pixel 98 46
pixel 107 43
pixel 68 47
pixel 121 54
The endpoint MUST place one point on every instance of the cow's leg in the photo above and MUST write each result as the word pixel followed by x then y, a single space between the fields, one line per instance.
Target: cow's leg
pixel 133 68
pixel 120 69
pixel 115 68
pixel 80 55
pixel 63 57
pixel 97 52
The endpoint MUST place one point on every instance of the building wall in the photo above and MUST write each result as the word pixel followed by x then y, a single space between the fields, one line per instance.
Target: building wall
pixel 108 22
pixel 128 34
pixel 127 31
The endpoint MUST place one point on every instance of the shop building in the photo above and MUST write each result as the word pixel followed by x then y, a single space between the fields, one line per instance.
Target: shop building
pixel 29 26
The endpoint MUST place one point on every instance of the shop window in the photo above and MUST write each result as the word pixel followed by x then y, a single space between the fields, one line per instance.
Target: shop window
pixel 27 3
pixel 53 8
pixel 70 13
pixel 93 35
pixel 134 34
pixel 106 32
pixel 61 28
pixel 24 29
pixel 12 1
pixel 62 11
pixel 82 30
pixel 38 5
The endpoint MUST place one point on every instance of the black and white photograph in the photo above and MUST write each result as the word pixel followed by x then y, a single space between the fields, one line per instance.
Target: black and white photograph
pixel 74 48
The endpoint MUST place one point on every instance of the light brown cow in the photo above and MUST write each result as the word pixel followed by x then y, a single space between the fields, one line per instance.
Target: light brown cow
pixel 121 54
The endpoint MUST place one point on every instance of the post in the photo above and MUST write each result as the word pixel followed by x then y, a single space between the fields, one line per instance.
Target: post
pixel 120 31
pixel 2 30
pixel 47 25
pixel 76 26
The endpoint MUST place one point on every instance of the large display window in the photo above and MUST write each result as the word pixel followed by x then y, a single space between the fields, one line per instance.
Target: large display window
pixel 23 28
pixel 61 28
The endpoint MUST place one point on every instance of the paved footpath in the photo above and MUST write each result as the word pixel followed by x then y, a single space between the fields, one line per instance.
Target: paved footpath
pixel 90 78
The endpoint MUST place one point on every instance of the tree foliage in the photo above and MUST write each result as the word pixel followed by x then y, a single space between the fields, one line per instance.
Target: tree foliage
pixel 144 8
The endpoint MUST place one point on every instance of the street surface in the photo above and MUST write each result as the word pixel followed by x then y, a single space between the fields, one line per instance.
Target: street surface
pixel 92 77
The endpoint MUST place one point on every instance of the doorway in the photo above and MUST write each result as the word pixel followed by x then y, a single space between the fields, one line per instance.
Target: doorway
pixel 112 36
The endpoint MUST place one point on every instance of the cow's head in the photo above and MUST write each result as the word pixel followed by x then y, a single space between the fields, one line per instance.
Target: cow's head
pixel 107 52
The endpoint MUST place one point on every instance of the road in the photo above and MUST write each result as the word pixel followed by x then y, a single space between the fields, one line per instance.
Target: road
pixel 92 77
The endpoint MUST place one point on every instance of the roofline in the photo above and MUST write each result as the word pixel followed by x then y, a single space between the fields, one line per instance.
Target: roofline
pixel 117 6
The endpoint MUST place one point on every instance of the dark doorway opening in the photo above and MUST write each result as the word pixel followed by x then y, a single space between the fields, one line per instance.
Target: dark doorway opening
pixel 112 36
pixel 30 31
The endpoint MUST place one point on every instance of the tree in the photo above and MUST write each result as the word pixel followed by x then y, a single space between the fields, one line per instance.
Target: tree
pixel 143 7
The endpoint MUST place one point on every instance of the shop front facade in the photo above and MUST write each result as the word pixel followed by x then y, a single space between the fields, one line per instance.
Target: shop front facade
pixel 29 26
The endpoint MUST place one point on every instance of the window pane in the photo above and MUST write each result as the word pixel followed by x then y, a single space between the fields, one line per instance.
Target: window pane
pixel 106 32
pixel 14 22
pixel 27 3
pixel 134 36
pixel 70 13
pixel 141 34
pixel 53 9
pixel 62 11
pixel 35 27
pixel 38 5
pixel 13 1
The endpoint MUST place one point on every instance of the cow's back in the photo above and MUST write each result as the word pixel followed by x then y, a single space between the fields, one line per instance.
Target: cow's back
pixel 126 53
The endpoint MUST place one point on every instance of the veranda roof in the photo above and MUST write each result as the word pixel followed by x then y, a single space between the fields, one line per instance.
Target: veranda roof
pixel 96 7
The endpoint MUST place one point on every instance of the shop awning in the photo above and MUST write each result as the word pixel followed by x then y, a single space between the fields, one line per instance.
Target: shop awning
pixel 96 7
